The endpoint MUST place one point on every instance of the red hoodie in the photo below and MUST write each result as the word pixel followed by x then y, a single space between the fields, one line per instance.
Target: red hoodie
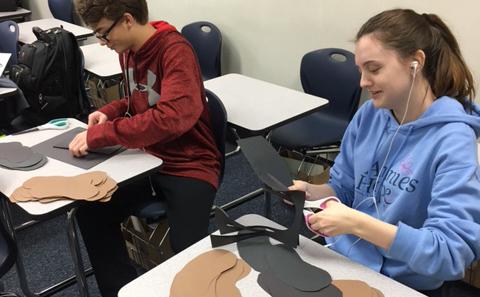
pixel 170 116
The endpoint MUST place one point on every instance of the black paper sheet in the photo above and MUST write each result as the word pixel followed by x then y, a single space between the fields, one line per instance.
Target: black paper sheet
pixel 273 172
pixel 287 236
pixel 15 156
pixel 92 159
pixel 276 288
pixel 108 150
pixel 267 164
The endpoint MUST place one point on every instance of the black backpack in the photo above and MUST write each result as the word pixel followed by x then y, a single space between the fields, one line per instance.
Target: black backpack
pixel 8 5
pixel 50 74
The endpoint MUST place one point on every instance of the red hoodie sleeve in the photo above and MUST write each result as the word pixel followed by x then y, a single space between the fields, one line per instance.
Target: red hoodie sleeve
pixel 176 112
pixel 114 109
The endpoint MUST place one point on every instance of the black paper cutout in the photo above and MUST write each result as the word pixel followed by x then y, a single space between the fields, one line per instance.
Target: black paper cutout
pixel 107 150
pixel 286 265
pixel 276 288
pixel 15 152
pixel 37 165
pixel 287 236
pixel 15 156
pixel 63 155
pixel 254 250
pixel 266 163
pixel 264 284
pixel 34 159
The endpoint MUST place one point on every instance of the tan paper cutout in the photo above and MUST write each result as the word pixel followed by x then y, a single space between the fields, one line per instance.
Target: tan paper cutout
pixel 194 279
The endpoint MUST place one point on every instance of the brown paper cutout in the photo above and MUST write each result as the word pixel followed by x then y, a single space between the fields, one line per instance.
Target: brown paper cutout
pixel 91 186
pixel 194 279
pixel 225 284
pixel 354 288
pixel 21 195
pixel 103 189
pixel 75 187
pixel 378 292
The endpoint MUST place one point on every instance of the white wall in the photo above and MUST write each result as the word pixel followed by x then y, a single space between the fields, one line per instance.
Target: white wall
pixel 39 8
pixel 267 38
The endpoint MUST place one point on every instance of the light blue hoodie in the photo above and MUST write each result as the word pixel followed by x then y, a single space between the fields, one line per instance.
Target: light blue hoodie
pixel 429 187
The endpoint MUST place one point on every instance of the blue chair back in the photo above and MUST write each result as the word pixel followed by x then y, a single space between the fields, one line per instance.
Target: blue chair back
pixel 156 208
pixel 62 9
pixel 9 37
pixel 206 39
pixel 218 119
pixel 331 73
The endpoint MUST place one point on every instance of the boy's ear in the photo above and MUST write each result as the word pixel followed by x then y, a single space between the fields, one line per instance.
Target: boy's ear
pixel 129 19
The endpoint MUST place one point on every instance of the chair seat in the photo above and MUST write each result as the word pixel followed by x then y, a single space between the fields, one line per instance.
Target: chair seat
pixel 152 209
pixel 315 130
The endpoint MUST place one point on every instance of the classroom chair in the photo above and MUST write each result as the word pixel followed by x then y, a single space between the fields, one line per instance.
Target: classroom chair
pixel 9 37
pixel 156 209
pixel 206 40
pixel 329 73
pixel 8 254
pixel 62 10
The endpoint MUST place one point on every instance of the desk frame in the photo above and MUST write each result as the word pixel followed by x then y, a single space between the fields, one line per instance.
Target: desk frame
pixel 36 209
pixel 20 13
pixel 26 35
pixel 239 95
pixel 157 281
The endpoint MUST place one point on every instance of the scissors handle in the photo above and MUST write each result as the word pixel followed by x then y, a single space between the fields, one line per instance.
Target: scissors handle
pixel 49 126
pixel 26 131
pixel 62 122
pixel 55 124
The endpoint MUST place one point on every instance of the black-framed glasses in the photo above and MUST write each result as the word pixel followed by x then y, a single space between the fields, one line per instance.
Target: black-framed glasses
pixel 104 36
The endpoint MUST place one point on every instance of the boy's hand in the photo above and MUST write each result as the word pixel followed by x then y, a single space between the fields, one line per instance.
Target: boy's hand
pixel 96 118
pixel 78 147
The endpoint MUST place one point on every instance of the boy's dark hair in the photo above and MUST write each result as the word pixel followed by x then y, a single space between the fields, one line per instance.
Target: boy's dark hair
pixel 92 11
pixel 406 31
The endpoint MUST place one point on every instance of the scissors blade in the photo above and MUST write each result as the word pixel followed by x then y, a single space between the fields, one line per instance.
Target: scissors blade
pixel 26 131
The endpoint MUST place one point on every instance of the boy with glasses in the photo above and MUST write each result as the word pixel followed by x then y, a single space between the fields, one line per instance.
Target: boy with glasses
pixel 164 112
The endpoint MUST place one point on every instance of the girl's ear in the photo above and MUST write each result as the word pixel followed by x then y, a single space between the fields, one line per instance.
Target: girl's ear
pixel 419 57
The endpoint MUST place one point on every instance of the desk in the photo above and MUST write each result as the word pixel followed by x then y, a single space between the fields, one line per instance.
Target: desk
pixel 101 61
pixel 26 35
pixel 259 106
pixel 123 168
pixel 5 92
pixel 157 282
pixel 20 13
pixel 104 74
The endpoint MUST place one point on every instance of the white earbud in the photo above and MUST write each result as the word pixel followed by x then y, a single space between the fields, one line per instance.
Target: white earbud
pixel 414 66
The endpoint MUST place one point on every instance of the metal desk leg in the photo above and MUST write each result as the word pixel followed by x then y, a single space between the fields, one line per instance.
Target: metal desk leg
pixel 76 254
pixel 22 276
pixel 268 204
pixel 241 200
pixel 20 268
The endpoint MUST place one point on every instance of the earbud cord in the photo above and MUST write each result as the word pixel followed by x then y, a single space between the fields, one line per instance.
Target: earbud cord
pixel 391 144
pixel 383 164
pixel 127 83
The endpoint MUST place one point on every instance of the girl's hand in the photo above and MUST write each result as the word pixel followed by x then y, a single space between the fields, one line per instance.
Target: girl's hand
pixel 299 185
pixel 335 219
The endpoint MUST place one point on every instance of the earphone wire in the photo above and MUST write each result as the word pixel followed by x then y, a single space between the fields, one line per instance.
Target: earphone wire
pixel 384 161
pixel 127 83
pixel 391 142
